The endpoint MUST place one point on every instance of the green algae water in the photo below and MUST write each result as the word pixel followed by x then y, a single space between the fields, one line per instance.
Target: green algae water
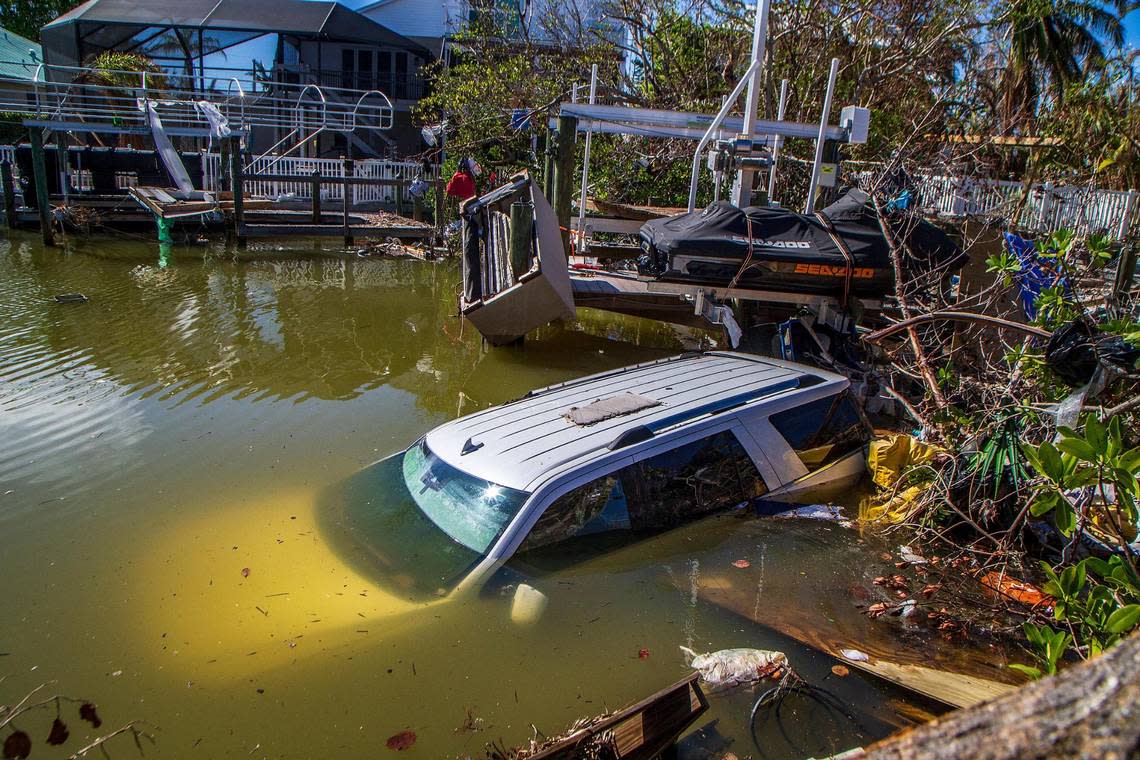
pixel 163 451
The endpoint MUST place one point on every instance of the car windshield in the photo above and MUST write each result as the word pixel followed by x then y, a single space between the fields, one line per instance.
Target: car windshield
pixel 472 511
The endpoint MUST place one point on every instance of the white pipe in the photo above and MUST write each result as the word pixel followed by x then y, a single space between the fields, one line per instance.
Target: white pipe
pixel 777 141
pixel 744 178
pixel 819 140
pixel 586 166
pixel 716 122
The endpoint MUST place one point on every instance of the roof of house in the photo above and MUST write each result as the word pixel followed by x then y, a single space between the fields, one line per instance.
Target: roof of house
pixel 299 17
pixel 19 56
pixel 516 444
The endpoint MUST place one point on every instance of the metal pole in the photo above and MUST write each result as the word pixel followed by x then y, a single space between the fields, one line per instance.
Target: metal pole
pixel 713 127
pixel 586 166
pixel 777 141
pixel 742 192
pixel 813 184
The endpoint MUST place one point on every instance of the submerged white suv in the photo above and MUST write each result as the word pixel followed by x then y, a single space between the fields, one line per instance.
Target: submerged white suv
pixel 624 453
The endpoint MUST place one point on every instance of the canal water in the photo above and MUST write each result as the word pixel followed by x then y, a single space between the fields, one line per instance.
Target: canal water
pixel 163 450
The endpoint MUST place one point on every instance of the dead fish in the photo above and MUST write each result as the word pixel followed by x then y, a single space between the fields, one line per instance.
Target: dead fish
pixel 732 667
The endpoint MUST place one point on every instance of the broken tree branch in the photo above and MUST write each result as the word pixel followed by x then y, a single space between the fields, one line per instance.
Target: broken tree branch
pixel 904 307
pixel 955 316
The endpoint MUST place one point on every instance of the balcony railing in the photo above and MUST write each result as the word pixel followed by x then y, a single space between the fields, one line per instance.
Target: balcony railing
pixel 409 86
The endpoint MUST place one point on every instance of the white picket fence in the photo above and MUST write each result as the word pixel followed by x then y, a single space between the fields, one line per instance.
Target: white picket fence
pixel 1046 206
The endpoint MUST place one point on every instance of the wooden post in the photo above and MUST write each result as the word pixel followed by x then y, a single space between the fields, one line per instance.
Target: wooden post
pixel 522 236
pixel 439 200
pixel 9 188
pixel 348 171
pixel 236 186
pixel 563 173
pixel 1122 284
pixel 1126 218
pixel 39 174
pixel 316 196
pixel 547 166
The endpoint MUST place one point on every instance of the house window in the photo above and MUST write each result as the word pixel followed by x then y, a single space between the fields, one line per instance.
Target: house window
pixel 823 431
pixel 364 70
pixel 661 492
pixel 401 61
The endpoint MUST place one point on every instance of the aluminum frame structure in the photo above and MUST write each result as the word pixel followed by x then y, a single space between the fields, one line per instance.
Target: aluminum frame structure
pixel 59 98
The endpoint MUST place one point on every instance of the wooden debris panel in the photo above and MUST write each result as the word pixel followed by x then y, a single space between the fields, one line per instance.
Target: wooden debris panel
pixel 639 732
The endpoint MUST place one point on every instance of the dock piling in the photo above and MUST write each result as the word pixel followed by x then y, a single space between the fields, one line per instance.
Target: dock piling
pixel 9 188
pixel 316 196
pixel 39 173
pixel 563 169
pixel 238 191
pixel 348 172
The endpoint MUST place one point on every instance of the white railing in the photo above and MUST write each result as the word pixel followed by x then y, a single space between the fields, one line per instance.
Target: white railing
pixel 64 98
pixel 1043 206
pixel 303 168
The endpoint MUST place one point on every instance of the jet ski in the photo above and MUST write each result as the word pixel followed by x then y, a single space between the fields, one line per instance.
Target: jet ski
pixel 839 251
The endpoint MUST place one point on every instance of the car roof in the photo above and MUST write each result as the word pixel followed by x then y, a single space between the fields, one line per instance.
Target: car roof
pixel 516 444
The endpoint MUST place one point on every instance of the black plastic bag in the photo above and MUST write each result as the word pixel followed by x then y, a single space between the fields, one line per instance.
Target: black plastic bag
pixel 1077 348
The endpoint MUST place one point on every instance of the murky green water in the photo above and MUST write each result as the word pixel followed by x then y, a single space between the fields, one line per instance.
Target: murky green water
pixel 177 429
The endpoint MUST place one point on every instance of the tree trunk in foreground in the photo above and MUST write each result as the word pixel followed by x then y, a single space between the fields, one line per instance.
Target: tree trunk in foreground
pixel 1090 710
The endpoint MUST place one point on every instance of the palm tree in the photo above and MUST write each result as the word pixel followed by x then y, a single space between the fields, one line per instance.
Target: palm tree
pixel 1051 43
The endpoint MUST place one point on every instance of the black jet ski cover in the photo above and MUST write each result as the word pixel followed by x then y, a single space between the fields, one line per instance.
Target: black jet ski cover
pixel 840 247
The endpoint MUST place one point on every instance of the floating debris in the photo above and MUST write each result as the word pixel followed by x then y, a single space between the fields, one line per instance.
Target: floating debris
pixel 732 667
pixel 401 741
pixel 71 298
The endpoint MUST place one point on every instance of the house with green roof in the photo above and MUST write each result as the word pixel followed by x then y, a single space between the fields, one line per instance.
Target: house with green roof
pixel 19 56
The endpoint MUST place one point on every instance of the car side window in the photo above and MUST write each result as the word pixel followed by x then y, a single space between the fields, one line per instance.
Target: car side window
pixel 663 491
pixel 822 431
pixel 690 481
pixel 595 507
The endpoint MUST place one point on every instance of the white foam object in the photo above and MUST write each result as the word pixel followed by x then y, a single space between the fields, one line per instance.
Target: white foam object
pixel 528 605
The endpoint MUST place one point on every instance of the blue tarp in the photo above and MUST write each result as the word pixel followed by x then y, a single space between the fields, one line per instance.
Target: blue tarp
pixel 1037 272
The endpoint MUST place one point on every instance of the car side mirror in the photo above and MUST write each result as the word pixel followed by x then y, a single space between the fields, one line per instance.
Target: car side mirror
pixel 527 605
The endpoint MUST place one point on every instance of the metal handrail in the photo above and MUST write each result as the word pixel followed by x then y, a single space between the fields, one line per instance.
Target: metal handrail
pixel 715 126
pixel 76 106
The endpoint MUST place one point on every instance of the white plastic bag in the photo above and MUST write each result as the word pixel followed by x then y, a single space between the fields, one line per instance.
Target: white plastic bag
pixel 732 667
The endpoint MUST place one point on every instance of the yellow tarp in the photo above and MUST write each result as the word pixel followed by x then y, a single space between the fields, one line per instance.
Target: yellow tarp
pixel 888 458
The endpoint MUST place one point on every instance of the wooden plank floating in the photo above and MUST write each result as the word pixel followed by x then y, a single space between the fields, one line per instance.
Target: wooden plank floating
pixel 641 731
pixel 954 689
pixel 951 688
